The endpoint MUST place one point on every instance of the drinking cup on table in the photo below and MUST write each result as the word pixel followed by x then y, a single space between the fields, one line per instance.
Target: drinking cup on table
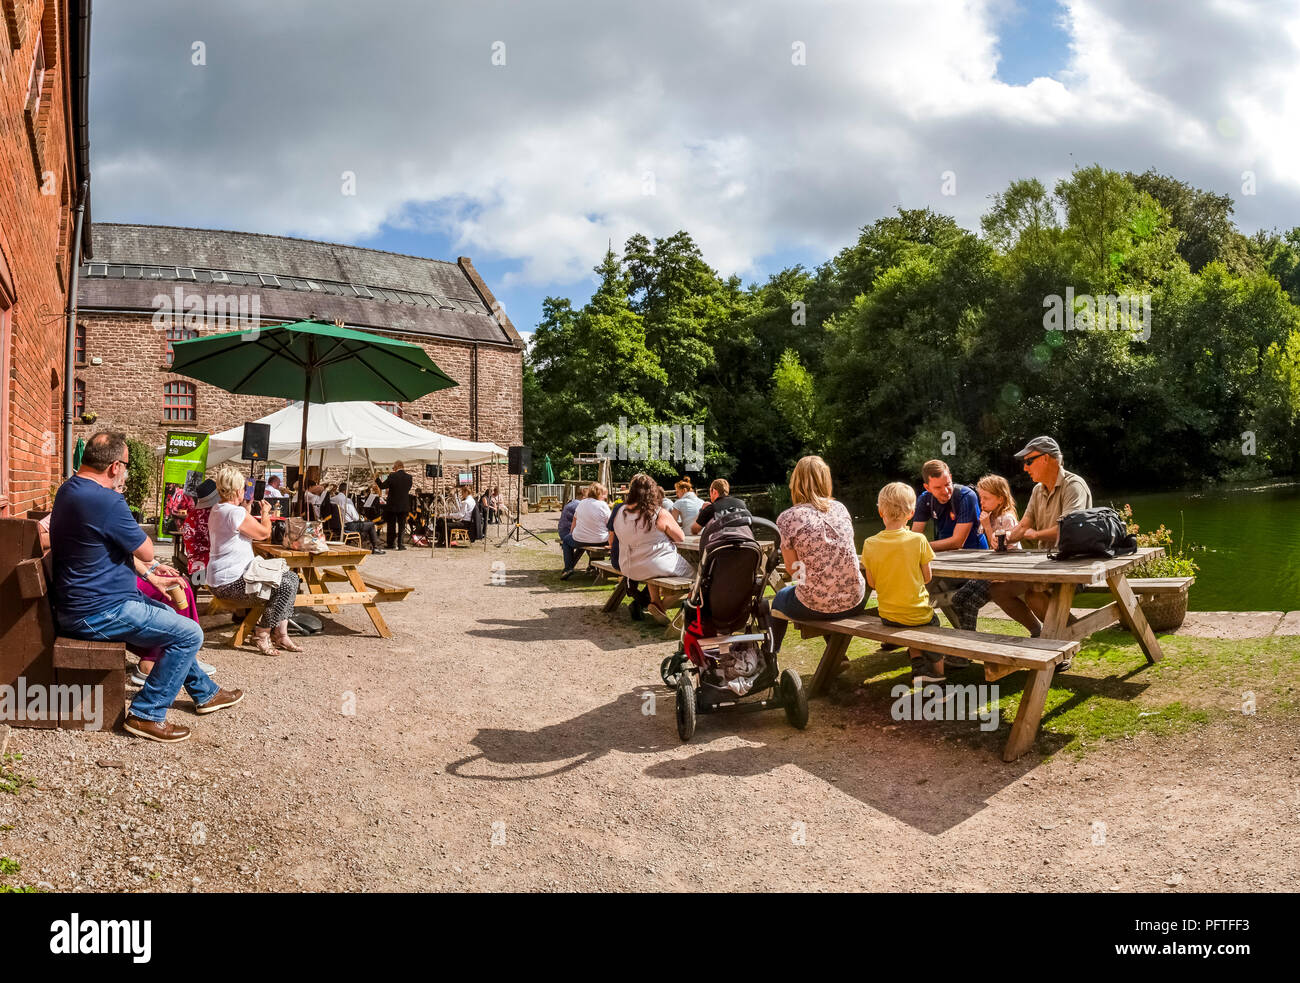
pixel 1002 540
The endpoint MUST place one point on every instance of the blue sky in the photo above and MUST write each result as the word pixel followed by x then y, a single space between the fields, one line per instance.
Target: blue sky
pixel 1032 43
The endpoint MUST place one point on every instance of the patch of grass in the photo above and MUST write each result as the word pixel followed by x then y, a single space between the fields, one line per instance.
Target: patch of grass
pixel 1109 694
pixel 9 866
pixel 21 889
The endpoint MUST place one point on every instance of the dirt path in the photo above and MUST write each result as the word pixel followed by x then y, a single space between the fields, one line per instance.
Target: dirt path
pixel 516 712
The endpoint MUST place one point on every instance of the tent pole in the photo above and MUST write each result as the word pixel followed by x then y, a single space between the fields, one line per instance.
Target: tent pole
pixel 302 456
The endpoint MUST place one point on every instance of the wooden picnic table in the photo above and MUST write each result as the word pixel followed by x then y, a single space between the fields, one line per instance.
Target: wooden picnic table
pixel 691 545
pixel 338 563
pixel 1063 578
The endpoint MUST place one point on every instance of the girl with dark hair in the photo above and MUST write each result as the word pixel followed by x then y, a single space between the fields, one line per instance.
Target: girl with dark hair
pixel 647 536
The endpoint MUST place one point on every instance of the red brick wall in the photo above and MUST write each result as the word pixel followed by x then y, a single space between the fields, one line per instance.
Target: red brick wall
pixel 35 236
pixel 126 389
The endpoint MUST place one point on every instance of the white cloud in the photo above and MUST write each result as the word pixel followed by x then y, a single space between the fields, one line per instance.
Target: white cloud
pixel 544 159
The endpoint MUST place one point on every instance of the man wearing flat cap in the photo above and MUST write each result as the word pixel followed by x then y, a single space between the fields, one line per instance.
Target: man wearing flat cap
pixel 1056 492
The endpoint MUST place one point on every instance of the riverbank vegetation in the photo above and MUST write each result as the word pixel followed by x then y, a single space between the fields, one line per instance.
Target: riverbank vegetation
pixel 925 339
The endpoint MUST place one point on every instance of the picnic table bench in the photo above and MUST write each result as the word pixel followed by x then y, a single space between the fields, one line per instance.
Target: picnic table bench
pixel 339 564
pixel 32 652
pixel 1001 655
pixel 594 553
pixel 1062 579
pixel 676 587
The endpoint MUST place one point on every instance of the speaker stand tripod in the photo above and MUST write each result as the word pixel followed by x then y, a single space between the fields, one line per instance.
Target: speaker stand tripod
pixel 515 528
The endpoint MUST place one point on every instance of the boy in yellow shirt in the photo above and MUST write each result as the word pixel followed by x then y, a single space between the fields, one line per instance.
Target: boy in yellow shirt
pixel 897 562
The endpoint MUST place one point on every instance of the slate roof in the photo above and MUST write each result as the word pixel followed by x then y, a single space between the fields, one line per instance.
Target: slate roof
pixel 291 278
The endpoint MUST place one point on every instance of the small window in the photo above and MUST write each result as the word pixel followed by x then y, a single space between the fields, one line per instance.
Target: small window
pixel 116 272
pixel 78 398
pixel 313 285
pixel 220 276
pixel 184 273
pixel 97 269
pixel 426 417
pixel 178 401
pixel 268 280
pixel 153 273
pixel 393 408
pixel 177 333
pixel 81 345
pixel 362 291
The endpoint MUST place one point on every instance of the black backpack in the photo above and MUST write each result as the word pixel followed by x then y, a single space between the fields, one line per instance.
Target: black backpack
pixel 1093 532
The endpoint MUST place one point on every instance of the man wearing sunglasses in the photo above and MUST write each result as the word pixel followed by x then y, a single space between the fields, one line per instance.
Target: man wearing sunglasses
pixel 95 541
pixel 1056 492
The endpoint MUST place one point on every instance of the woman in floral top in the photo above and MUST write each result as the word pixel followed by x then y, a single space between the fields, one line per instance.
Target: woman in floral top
pixel 817 546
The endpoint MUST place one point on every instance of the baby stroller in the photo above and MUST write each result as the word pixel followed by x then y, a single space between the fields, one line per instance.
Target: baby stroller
pixel 726 648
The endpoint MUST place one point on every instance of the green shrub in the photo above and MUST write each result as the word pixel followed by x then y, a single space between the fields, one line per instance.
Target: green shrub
pixel 139 474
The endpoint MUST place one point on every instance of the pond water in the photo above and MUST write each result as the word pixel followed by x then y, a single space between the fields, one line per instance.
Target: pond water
pixel 1250 536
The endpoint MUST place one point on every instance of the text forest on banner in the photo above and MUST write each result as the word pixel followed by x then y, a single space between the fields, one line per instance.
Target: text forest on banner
pixel 184 463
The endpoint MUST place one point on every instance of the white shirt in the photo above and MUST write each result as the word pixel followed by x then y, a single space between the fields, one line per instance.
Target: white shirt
pixel 467 509
pixel 273 492
pixel 230 550
pixel 346 509
pixel 590 520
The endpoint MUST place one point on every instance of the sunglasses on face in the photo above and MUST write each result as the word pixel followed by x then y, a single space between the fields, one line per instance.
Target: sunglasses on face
pixel 1031 460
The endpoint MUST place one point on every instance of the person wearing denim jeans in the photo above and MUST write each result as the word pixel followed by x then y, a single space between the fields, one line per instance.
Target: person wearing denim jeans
pixel 95 542
pixel 566 537
pixel 149 623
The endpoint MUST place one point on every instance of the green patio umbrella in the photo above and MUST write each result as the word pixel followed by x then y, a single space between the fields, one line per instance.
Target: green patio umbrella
pixel 76 454
pixel 548 473
pixel 315 361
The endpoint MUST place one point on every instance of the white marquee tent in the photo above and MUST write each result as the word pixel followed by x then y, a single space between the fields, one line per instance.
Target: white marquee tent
pixel 352 433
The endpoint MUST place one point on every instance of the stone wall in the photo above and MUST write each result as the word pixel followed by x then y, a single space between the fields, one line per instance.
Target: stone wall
pixel 125 389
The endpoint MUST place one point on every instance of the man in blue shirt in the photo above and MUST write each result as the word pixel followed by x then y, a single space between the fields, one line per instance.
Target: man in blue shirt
pixel 955 510
pixel 94 538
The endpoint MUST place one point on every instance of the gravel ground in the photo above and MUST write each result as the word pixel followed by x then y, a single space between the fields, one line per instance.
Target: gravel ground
pixel 501 740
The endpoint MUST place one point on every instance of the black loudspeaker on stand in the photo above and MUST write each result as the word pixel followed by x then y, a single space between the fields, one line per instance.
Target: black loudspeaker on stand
pixel 519 460
pixel 257 441
pixel 433 470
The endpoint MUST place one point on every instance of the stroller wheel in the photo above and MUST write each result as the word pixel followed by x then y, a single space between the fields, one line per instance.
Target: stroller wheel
pixel 685 706
pixel 794 699
pixel 669 670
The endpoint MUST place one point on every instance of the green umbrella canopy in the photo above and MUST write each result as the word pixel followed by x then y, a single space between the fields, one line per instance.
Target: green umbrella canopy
pixel 316 361
pixel 548 473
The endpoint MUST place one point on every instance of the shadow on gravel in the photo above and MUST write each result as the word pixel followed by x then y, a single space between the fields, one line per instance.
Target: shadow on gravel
pixel 930 785
pixel 616 726
pixel 585 623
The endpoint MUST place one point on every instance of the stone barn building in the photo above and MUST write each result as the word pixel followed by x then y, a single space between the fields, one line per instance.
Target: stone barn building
pixel 151 285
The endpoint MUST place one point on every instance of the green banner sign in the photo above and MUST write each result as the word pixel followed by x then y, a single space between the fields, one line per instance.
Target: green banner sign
pixel 185 460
